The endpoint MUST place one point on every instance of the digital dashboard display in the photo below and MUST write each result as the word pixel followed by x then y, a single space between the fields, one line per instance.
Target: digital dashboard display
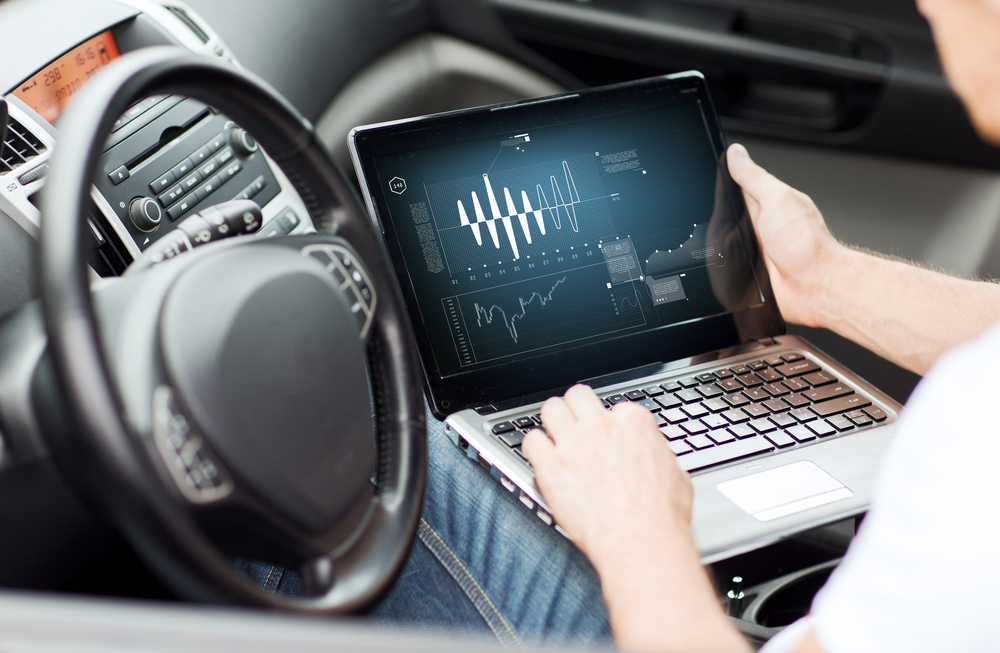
pixel 49 90
pixel 557 236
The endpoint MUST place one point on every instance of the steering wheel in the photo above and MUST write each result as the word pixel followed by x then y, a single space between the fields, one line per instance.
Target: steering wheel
pixel 218 403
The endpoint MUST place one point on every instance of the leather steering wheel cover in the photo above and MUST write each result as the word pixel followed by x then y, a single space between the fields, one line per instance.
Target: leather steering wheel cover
pixel 115 471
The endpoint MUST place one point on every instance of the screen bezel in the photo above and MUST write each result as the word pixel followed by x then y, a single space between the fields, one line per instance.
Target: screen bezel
pixel 554 371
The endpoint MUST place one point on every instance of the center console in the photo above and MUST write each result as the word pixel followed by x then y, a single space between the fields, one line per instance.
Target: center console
pixel 167 157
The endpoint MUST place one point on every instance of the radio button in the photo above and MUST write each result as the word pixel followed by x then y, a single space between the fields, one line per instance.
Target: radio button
pixel 208 169
pixel 191 181
pixel 117 176
pixel 145 213
pixel 208 187
pixel 183 168
pixel 201 156
pixel 224 156
pixel 182 207
pixel 216 143
pixel 163 183
pixel 227 173
pixel 172 195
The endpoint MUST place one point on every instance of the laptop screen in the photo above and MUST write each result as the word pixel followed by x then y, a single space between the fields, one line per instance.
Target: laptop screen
pixel 565 231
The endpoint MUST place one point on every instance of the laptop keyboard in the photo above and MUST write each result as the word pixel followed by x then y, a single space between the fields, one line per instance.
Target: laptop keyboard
pixel 735 412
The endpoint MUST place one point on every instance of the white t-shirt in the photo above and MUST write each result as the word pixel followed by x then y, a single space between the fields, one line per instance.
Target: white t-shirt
pixel 923 574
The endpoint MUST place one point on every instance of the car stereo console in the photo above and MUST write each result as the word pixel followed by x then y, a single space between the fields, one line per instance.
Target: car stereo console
pixel 166 158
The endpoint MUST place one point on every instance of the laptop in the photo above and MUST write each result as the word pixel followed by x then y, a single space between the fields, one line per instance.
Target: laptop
pixel 596 237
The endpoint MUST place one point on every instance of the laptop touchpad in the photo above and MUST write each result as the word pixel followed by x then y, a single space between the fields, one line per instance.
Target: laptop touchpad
pixel 784 491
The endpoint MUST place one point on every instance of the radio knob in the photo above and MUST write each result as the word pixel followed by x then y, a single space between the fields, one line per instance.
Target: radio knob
pixel 243 143
pixel 145 213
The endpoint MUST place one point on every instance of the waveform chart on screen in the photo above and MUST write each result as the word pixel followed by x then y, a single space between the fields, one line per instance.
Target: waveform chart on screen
pixel 514 214
pixel 549 310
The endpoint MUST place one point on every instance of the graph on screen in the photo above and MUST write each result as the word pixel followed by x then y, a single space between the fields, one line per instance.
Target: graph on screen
pixel 512 214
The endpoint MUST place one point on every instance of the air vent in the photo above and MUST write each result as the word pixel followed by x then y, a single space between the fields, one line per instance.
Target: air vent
pixel 19 147
pixel 187 20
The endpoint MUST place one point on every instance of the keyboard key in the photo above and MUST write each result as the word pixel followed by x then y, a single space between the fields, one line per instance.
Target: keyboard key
pixel 817 379
pixel 750 380
pixel 716 405
pixel 841 405
pixel 854 414
pixel 723 374
pixel 695 410
pixel 763 425
pixel 512 438
pixel 756 410
pixel 769 375
pixel 756 394
pixel 524 423
pixel 784 420
pixel 710 390
pixel 653 391
pixel 537 418
pixel 689 396
pixel 688 382
pixel 794 384
pixel 736 399
pixel 660 419
pixel 792 357
pixel 821 427
pixel 780 439
pixel 673 432
pixel 801 433
pixel 635 395
pixel 840 423
pixel 672 386
pixel 803 415
pixel 795 400
pixel 724 453
pixel 694 427
pixel 864 420
pixel 776 405
pixel 721 436
pixel 742 431
pixel 674 416
pixel 730 384
pixel 668 401
pixel 700 442
pixel 825 392
pixel 757 366
pixel 679 447
pixel 503 427
pixel 736 416
pixel 774 361
pixel 797 368
pixel 876 413
pixel 616 399
pixel 707 377
pixel 649 405
pixel 715 421
pixel 776 389
pixel 740 369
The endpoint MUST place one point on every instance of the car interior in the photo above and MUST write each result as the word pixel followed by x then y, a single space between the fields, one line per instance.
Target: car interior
pixel 118 273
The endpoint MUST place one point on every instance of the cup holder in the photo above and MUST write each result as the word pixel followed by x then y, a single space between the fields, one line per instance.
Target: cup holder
pixel 780 602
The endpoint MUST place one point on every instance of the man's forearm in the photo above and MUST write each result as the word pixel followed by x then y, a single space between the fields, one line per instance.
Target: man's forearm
pixel 902 312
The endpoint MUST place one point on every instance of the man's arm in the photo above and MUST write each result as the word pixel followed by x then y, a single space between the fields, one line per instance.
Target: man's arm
pixel 902 312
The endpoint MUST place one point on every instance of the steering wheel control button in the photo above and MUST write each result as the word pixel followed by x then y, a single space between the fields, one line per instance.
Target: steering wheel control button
pixel 145 213
pixel 351 278
pixel 117 176
pixel 257 343
pixel 192 466
pixel 242 142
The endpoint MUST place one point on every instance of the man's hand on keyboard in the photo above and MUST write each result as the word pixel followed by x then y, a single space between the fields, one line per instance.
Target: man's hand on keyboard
pixel 614 485
pixel 609 476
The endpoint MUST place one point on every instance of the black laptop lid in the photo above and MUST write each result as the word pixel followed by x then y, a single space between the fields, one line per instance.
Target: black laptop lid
pixel 544 242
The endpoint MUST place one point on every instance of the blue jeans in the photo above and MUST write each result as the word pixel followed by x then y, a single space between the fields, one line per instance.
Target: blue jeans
pixel 482 563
